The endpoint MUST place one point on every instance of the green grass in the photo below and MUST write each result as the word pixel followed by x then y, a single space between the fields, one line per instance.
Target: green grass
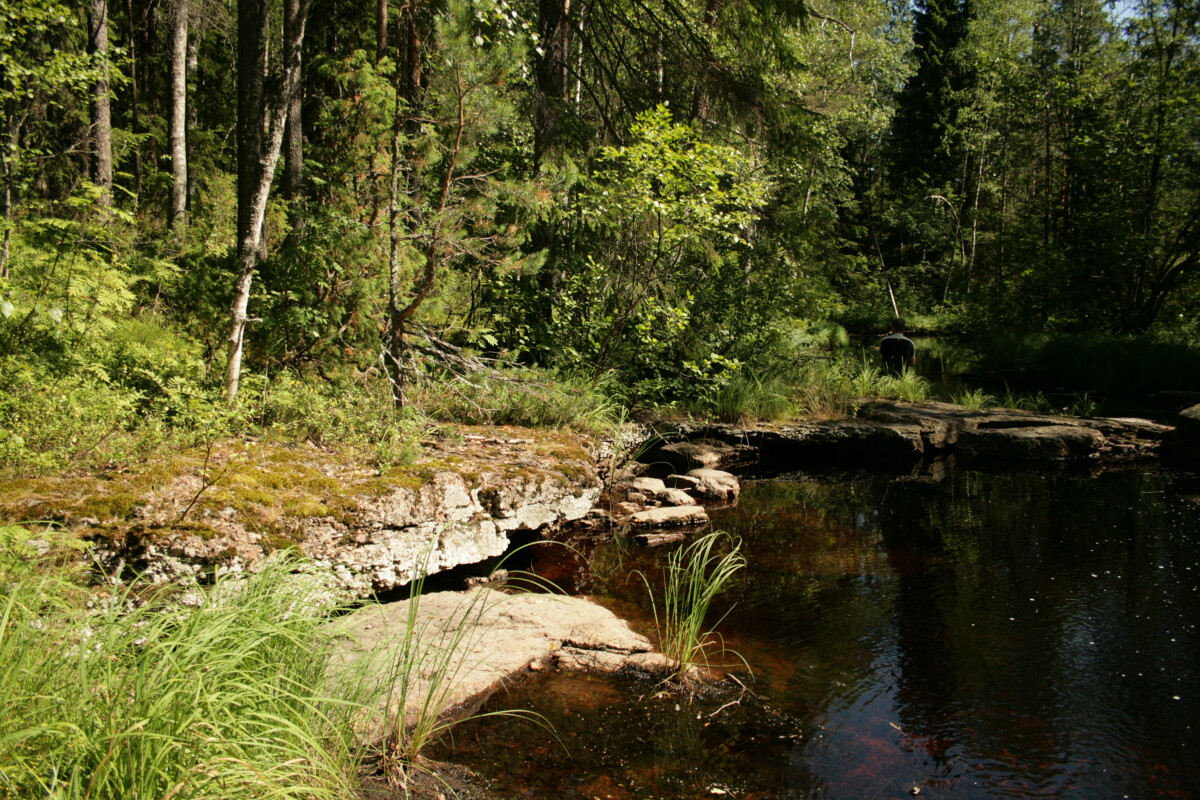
pixel 747 396
pixel 112 695
pixel 141 699
pixel 523 397
pixel 693 577
pixel 833 389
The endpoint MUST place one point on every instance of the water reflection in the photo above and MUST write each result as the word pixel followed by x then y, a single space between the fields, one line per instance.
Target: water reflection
pixel 978 636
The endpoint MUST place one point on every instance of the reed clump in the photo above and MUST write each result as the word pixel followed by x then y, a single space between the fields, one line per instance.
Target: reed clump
pixel 693 577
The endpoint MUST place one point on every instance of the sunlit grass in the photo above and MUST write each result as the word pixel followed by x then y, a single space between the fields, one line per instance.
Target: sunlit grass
pixel 140 699
pixel 693 577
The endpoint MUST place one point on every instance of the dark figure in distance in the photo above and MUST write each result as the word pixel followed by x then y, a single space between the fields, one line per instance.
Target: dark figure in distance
pixel 897 349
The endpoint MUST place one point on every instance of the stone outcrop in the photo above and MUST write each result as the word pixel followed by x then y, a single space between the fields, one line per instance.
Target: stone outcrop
pixel 1186 442
pixel 665 516
pixel 469 643
pixel 893 431
pixel 226 510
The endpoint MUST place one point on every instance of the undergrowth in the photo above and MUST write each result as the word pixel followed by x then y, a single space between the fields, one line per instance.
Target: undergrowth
pixel 87 422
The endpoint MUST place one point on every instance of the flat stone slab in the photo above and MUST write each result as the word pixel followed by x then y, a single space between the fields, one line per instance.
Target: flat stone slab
pixel 667 516
pixel 467 644
pixel 899 431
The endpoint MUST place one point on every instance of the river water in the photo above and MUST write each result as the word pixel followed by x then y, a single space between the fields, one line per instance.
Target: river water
pixel 962 634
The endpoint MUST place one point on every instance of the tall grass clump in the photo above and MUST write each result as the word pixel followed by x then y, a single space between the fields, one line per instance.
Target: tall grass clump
pixel 525 397
pixel 833 389
pixel 693 577
pixel 748 396
pixel 972 399
pixel 907 386
pixel 135 699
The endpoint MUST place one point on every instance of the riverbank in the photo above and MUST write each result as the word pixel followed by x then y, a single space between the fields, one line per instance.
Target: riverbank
pixel 183 522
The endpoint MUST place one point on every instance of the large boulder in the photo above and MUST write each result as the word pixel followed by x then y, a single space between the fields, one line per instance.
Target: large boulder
pixel 487 638
pixel 458 504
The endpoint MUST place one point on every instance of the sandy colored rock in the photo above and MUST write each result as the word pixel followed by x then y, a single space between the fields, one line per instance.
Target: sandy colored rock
pixel 489 636
pixel 683 456
pixel 677 497
pixel 716 486
pixel 668 516
pixel 685 482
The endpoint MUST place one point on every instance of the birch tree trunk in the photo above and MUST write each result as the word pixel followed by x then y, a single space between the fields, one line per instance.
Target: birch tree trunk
pixel 177 215
pixel 260 143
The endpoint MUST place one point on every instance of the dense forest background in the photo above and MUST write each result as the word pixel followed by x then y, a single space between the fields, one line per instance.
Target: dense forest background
pixel 650 200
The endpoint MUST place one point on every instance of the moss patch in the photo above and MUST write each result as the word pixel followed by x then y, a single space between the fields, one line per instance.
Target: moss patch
pixel 272 487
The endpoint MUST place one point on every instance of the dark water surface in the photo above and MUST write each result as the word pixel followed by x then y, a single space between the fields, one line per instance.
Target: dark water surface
pixel 974 636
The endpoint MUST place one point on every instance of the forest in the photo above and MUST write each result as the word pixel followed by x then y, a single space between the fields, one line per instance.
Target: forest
pixel 342 220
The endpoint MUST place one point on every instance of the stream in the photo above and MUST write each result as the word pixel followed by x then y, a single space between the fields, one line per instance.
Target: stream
pixel 957 634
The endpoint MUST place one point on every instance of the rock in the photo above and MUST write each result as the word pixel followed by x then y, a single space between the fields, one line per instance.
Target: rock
pixel 1041 443
pixel 716 486
pixel 1185 442
pixel 683 456
pixel 458 505
pixel 668 516
pixel 895 432
pixel 677 497
pixel 491 637
pixel 681 481
pixel 658 539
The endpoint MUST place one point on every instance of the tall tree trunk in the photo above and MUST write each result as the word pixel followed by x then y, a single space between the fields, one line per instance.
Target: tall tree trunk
pixel 702 93
pixel 293 134
pixel 102 167
pixel 177 216
pixel 553 73
pixel 406 124
pixel 134 123
pixel 6 176
pixel 381 33
pixel 260 142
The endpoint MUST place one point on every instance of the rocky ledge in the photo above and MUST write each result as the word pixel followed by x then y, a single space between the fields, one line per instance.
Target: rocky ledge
pixel 468 644
pixel 225 508
pixel 894 430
